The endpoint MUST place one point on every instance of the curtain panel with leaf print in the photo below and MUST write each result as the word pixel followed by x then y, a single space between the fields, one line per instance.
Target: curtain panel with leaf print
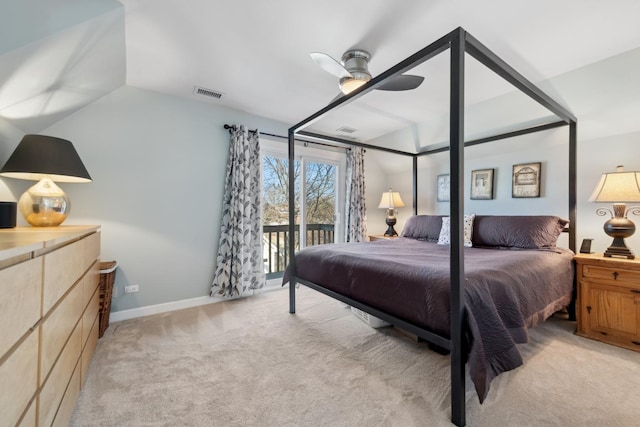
pixel 356 212
pixel 239 267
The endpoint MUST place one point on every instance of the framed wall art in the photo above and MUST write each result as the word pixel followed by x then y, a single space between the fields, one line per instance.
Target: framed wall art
pixel 482 184
pixel 442 190
pixel 526 180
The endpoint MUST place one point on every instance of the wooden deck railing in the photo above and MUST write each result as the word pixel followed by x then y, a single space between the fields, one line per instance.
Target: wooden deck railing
pixel 276 244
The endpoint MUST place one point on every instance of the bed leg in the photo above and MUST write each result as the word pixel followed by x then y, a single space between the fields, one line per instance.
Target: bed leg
pixel 571 308
pixel 292 296
pixel 458 410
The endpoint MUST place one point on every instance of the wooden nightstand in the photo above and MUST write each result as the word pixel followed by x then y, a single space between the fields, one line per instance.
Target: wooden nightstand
pixel 380 237
pixel 608 306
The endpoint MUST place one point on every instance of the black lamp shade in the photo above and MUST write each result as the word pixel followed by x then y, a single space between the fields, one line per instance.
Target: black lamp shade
pixel 40 156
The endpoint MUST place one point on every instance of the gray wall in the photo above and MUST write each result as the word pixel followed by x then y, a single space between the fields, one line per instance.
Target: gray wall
pixel 158 166
pixel 604 96
pixel 595 156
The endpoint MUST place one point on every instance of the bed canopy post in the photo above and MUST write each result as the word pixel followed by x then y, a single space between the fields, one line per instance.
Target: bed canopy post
pixel 456 214
pixel 573 201
pixel 292 223
pixel 573 182
pixel 415 184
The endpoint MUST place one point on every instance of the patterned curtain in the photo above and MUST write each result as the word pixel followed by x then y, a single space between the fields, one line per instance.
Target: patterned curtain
pixel 356 212
pixel 239 267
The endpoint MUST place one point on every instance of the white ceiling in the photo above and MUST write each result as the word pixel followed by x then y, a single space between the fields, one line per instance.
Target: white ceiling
pixel 257 52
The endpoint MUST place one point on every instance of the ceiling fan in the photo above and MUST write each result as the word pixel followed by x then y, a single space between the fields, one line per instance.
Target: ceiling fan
pixel 354 72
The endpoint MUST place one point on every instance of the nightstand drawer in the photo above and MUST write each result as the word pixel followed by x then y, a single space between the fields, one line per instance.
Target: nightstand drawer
pixel 609 300
pixel 619 275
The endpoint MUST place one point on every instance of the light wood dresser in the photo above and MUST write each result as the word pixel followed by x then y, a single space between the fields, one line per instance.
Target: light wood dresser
pixel 609 299
pixel 49 303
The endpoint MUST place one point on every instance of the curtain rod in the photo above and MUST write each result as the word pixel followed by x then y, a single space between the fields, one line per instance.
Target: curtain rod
pixel 234 127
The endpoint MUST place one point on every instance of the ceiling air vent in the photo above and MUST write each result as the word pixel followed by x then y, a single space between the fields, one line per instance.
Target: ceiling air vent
pixel 206 92
pixel 346 129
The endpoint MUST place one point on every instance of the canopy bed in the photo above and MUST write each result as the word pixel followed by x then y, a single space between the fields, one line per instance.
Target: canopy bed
pixel 460 268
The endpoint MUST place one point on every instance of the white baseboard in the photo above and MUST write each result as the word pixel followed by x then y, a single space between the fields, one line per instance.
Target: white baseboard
pixel 148 310
pixel 117 316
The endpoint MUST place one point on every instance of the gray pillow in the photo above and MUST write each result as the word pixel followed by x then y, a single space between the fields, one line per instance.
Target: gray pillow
pixel 423 227
pixel 524 232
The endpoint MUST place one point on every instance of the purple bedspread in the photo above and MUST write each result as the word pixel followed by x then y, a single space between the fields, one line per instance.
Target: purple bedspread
pixel 506 291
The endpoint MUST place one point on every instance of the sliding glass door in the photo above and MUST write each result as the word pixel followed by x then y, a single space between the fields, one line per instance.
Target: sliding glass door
pixel 319 184
pixel 319 207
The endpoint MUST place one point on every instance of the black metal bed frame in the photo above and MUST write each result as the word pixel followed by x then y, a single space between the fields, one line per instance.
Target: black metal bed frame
pixel 458 42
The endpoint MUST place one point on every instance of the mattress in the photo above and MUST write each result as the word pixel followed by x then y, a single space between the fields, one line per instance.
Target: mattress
pixel 506 291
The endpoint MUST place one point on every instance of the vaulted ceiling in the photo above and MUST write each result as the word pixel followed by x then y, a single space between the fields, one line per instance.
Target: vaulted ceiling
pixel 56 57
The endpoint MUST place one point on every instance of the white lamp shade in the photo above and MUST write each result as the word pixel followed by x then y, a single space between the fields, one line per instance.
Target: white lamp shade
pixel 348 85
pixel 391 200
pixel 617 187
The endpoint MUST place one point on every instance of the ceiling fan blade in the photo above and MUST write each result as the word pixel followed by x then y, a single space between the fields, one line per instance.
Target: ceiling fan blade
pixel 329 64
pixel 402 82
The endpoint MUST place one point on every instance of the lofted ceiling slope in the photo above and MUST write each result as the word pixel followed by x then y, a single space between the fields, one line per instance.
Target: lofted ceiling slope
pixel 57 57
pixel 257 53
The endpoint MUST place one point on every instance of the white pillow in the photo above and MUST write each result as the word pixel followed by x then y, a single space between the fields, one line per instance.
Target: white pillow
pixel 444 238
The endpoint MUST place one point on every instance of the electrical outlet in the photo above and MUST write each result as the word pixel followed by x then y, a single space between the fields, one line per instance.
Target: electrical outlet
pixel 131 289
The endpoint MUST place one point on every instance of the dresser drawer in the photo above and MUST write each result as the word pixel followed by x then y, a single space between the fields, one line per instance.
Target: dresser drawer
pixel 90 315
pixel 90 283
pixel 618 275
pixel 20 287
pixel 65 411
pixel 62 268
pixel 58 382
pixel 91 249
pixel 89 348
pixel 29 419
pixel 58 327
pixel 18 380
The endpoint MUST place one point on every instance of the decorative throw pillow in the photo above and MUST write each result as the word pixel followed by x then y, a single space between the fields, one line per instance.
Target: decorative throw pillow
pixel 521 232
pixel 423 227
pixel 444 238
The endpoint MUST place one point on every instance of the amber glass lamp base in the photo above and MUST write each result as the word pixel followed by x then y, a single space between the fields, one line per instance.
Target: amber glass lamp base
pixel 44 204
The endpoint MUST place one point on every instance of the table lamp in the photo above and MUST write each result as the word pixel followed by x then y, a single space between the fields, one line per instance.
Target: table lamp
pixel 391 200
pixel 45 159
pixel 617 188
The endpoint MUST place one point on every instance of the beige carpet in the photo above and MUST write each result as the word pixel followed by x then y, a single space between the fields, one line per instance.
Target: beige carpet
pixel 249 362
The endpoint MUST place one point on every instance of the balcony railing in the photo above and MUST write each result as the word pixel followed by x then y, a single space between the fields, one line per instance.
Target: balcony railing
pixel 275 244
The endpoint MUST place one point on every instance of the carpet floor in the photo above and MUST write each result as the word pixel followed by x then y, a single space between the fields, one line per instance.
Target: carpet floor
pixel 248 362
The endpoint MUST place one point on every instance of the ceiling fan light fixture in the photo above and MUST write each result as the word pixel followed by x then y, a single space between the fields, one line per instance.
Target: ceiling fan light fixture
pixel 349 84
pixel 353 72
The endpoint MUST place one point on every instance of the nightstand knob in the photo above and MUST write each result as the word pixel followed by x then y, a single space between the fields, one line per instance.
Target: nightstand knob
pixel 615 275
